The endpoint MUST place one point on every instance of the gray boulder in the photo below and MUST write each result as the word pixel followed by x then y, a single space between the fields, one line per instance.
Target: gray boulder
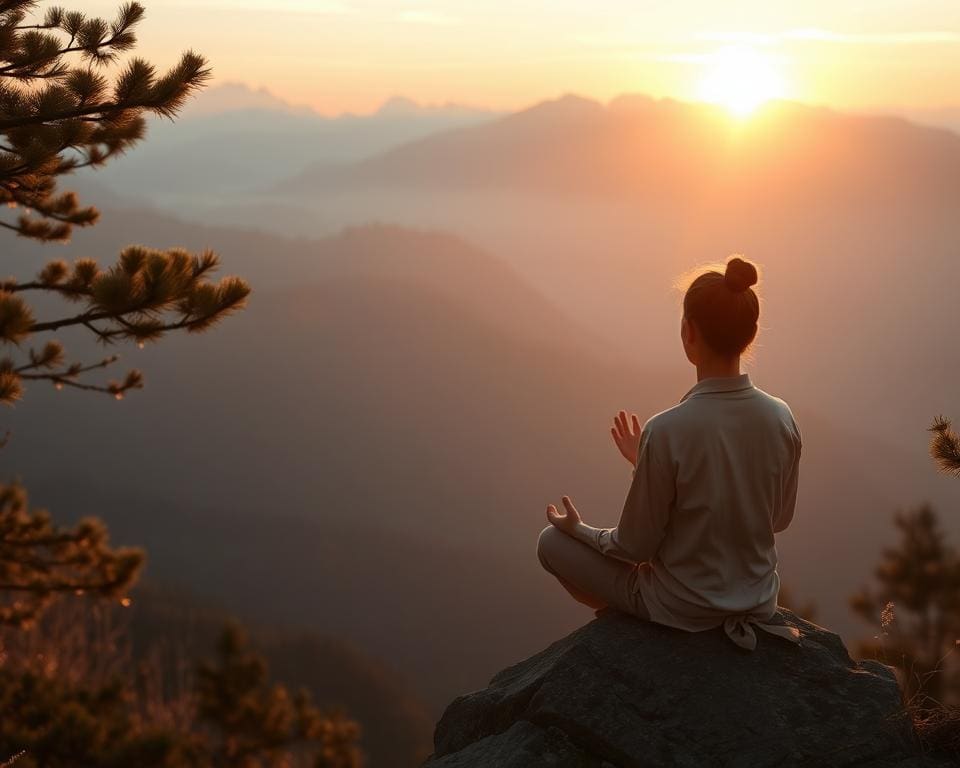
pixel 628 693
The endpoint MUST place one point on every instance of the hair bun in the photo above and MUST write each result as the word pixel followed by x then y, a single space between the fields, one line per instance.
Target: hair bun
pixel 740 274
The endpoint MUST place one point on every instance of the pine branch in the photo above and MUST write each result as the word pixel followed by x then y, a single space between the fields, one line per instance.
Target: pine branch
pixel 60 586
pixel 81 319
pixel 13 286
pixel 49 357
pixel 93 36
pixel 40 561
pixel 67 377
pixel 134 380
pixel 15 758
pixel 129 329
pixel 164 98
pixel 945 446
pixel 47 541
pixel 56 118
pixel 145 295
pixel 49 235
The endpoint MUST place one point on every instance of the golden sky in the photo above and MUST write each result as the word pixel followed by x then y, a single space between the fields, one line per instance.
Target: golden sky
pixel 350 55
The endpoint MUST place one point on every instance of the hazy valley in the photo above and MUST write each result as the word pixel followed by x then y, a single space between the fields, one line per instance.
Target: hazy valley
pixel 445 320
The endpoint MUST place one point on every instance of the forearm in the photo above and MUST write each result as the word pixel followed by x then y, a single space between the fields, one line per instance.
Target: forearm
pixel 603 540
pixel 644 516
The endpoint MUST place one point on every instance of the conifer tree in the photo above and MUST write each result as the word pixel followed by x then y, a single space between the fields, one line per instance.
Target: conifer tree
pixel 257 725
pixel 67 101
pixel 93 701
pixel 39 561
pixel 917 601
pixel 51 723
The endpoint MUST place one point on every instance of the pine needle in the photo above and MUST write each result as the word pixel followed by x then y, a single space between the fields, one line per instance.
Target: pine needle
pixel 945 446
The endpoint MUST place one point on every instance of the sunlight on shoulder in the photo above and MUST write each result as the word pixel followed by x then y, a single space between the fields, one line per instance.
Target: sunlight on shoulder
pixel 741 78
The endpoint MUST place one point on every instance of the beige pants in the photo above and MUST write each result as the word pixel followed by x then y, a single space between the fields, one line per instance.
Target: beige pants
pixel 591 577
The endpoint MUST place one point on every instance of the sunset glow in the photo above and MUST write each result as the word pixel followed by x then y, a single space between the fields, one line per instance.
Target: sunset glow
pixel 474 336
pixel 741 78
pixel 348 55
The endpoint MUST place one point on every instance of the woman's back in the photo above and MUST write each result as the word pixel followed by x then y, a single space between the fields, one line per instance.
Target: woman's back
pixel 730 451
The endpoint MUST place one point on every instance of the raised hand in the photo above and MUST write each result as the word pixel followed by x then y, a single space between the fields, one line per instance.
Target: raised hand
pixel 565 522
pixel 626 434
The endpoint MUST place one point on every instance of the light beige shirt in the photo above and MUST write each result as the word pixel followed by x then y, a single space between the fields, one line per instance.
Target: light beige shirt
pixel 716 478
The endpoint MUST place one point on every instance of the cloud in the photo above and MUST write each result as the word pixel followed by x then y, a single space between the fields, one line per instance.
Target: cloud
pixel 318 7
pixel 633 49
pixel 638 51
pixel 892 38
pixel 744 38
pixel 677 58
pixel 818 35
pixel 422 16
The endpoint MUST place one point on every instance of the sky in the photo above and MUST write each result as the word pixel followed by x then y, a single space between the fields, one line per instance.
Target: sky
pixel 350 55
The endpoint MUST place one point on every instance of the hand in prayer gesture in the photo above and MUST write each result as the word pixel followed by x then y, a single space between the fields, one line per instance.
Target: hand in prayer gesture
pixel 626 434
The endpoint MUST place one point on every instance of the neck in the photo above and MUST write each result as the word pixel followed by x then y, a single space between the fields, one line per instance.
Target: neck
pixel 718 366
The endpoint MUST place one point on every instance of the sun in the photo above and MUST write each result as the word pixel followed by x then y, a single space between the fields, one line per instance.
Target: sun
pixel 741 78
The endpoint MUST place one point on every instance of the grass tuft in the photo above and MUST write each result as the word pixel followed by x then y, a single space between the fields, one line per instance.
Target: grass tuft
pixel 938 729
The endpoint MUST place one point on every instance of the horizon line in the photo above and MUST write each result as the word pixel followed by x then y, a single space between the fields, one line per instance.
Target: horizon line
pixel 283 105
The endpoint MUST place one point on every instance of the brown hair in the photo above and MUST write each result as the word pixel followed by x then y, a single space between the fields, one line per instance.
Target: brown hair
pixel 724 307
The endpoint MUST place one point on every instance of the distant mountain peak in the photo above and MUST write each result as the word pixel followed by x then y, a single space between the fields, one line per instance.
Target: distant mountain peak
pixel 234 96
pixel 398 105
pixel 575 99
pixel 567 104
pixel 403 106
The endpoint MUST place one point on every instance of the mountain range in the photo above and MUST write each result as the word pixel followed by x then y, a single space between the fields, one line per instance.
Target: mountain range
pixel 233 140
pixel 435 352
pixel 367 449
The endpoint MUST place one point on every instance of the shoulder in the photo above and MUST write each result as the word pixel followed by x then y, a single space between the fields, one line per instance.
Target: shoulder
pixel 663 421
pixel 689 414
pixel 659 431
pixel 780 407
pixel 688 417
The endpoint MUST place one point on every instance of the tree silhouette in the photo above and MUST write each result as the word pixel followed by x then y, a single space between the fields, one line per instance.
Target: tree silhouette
pixel 51 723
pixel 39 561
pixel 92 700
pixel 917 600
pixel 67 102
pixel 256 725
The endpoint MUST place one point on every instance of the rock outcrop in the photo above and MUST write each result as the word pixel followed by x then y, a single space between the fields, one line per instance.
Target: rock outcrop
pixel 628 693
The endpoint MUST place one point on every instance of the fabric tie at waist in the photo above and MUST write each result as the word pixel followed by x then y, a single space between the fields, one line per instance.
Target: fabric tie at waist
pixel 739 629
